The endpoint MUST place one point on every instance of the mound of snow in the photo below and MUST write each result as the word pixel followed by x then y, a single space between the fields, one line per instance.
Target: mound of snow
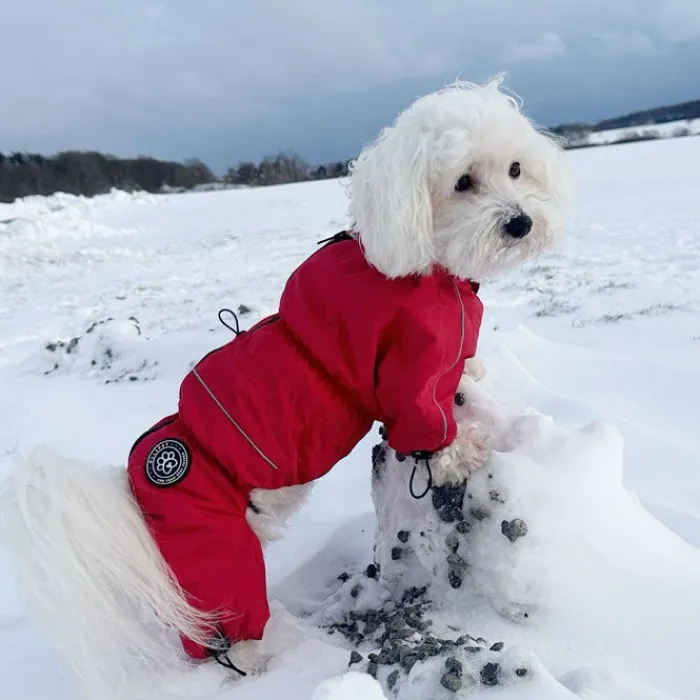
pixel 109 350
pixel 537 564
pixel 37 230
pixel 350 686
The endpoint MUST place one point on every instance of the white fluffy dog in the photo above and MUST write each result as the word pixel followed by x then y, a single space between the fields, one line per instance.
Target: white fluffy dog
pixel 461 179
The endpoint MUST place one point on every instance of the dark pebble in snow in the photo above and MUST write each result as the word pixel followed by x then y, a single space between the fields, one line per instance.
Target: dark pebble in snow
pixel 404 536
pixel 447 501
pixel 497 496
pixel 414 593
pixel 455 579
pixel 390 656
pixel 395 622
pixel 371 571
pixel 392 679
pixel 460 399
pixel 383 432
pixel 372 669
pixel 427 651
pixel 473 650
pixel 396 553
pixel 456 563
pixel 344 577
pixel 355 591
pixel 378 458
pixel 415 622
pixel 521 672
pixel 514 530
pixel 464 639
pixel 498 646
pixel 453 515
pixel 463 527
pixel 355 658
pixel 400 457
pixel 490 673
pixel 480 512
pixel 370 628
pixel 451 681
pixel 409 661
pixel 454 665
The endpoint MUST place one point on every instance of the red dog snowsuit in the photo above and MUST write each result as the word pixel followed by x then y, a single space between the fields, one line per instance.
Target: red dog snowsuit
pixel 285 401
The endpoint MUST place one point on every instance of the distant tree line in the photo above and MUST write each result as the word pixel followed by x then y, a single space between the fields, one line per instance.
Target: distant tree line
pixel 657 115
pixel 282 168
pixel 89 173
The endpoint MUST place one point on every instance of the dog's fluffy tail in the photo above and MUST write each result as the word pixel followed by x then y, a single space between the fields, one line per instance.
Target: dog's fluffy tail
pixel 93 573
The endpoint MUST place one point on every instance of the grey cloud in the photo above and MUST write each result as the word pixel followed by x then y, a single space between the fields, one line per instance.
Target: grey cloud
pixel 227 78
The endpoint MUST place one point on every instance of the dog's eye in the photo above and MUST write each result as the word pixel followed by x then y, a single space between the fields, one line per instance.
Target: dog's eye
pixel 514 171
pixel 464 183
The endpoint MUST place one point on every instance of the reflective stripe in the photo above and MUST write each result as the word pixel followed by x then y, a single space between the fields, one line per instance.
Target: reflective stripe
pixel 233 422
pixel 454 364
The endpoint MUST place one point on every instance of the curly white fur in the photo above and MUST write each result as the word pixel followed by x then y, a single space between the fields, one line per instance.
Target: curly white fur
pixel 468 452
pixel 407 211
pixel 272 509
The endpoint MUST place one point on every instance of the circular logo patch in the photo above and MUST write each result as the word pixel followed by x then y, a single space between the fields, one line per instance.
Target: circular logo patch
pixel 168 463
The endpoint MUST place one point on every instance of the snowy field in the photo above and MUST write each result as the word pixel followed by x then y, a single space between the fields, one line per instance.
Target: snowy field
pixel 105 303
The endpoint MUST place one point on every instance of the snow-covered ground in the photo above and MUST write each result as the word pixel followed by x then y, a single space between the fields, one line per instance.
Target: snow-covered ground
pixel 105 303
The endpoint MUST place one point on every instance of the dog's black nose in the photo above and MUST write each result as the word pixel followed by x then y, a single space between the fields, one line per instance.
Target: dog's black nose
pixel 518 226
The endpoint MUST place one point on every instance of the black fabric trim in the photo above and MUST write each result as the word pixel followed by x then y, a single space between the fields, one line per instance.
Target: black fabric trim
pixel 150 431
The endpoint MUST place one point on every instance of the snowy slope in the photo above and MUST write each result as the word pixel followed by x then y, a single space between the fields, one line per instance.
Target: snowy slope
pixel 105 303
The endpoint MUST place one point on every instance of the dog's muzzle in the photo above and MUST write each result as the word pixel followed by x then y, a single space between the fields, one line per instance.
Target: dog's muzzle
pixel 519 226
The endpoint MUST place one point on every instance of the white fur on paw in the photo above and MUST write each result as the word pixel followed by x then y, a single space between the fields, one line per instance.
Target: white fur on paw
pixel 474 369
pixel 469 452
pixel 250 656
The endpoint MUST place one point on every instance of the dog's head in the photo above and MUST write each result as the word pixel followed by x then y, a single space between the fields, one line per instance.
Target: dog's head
pixel 462 179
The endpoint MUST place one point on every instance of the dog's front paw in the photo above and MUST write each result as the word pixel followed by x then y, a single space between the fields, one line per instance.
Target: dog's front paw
pixel 475 449
pixel 469 452
pixel 474 369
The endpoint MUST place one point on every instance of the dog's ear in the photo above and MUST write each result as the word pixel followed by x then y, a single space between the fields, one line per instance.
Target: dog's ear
pixel 390 204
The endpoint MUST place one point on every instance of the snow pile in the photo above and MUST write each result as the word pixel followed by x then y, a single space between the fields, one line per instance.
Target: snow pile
pixel 38 205
pixel 36 231
pixel 109 350
pixel 478 583
pixel 350 686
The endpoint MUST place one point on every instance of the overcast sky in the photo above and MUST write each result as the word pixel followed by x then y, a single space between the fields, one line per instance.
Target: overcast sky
pixel 228 80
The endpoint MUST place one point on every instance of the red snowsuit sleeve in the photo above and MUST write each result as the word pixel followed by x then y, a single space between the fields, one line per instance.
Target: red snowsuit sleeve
pixel 416 382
